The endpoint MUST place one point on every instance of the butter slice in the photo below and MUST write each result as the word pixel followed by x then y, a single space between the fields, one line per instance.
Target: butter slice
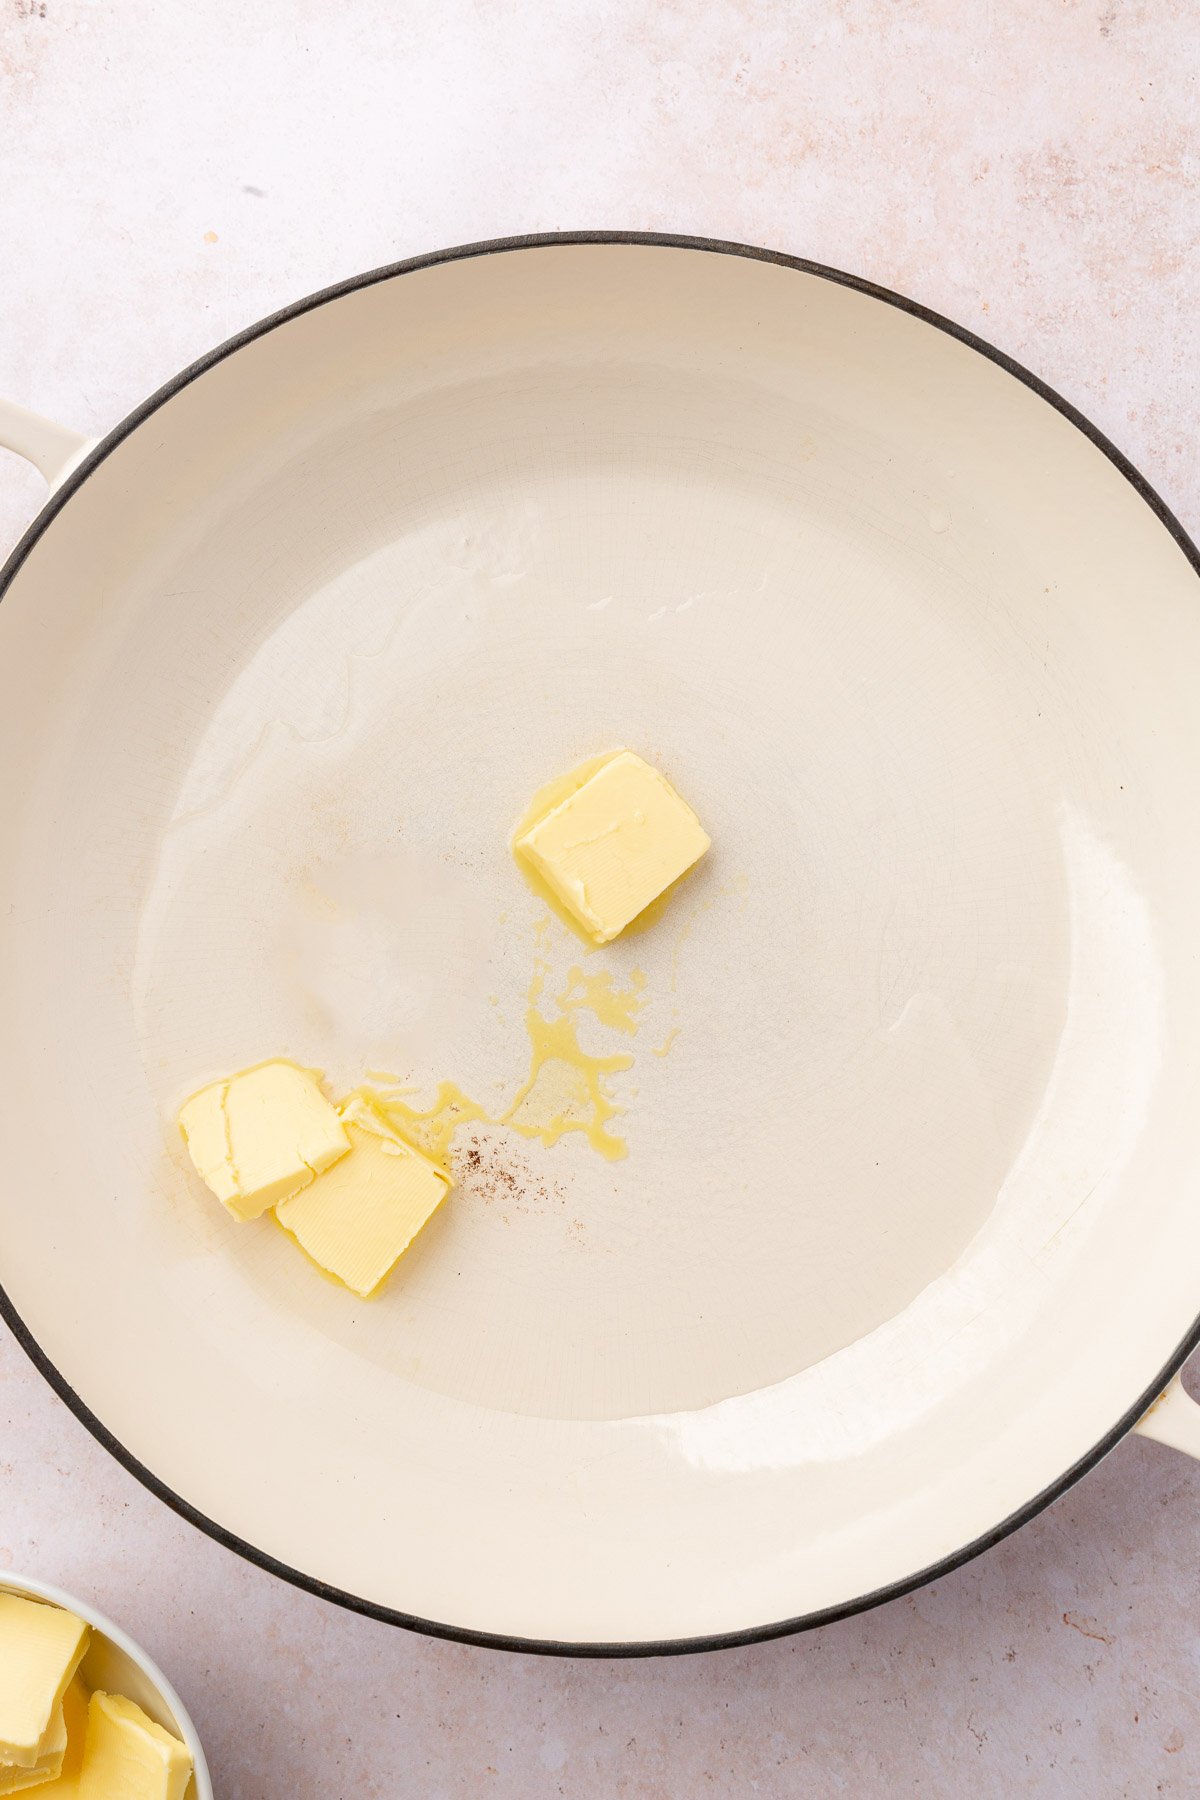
pixel 41 1646
pixel 615 844
pixel 126 1756
pixel 261 1136
pixel 56 1772
pixel 48 1766
pixel 359 1218
pixel 51 1750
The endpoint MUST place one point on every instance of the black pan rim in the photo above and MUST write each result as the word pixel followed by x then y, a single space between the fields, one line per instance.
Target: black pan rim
pixel 726 1640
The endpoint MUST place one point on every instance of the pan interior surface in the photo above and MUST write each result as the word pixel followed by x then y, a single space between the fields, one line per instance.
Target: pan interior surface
pixel 905 1097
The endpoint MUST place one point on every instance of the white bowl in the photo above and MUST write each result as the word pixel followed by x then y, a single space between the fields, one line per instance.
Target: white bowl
pixel 119 1666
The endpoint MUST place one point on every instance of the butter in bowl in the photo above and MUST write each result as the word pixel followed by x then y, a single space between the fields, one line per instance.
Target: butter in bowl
pixel 84 1713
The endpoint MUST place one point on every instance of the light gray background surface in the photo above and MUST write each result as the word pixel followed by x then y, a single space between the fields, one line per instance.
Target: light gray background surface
pixel 170 172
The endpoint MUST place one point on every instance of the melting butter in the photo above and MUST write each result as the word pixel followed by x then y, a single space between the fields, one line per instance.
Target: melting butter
pixel 597 994
pixel 566 1089
pixel 614 844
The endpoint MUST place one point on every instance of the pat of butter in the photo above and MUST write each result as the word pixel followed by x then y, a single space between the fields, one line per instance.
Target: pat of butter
pixel 56 1772
pixel 261 1136
pixel 359 1218
pixel 126 1756
pixel 41 1647
pixel 615 844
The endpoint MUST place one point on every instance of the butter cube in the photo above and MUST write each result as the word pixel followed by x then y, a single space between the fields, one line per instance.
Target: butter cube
pixel 359 1218
pixel 56 1772
pixel 41 1647
pixel 614 844
pixel 126 1756
pixel 261 1135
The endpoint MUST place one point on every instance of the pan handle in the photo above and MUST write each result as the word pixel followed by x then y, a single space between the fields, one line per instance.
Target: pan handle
pixel 52 449
pixel 1174 1419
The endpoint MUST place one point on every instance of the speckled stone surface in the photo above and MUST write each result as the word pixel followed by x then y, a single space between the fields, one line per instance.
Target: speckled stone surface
pixel 169 173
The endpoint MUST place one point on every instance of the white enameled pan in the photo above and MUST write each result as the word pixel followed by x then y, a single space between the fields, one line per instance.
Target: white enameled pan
pixel 908 1232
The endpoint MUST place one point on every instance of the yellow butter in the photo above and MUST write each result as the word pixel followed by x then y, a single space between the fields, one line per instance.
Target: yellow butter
pixel 261 1135
pixel 359 1218
pixel 126 1756
pixel 56 1774
pixel 41 1647
pixel 49 1761
pixel 614 844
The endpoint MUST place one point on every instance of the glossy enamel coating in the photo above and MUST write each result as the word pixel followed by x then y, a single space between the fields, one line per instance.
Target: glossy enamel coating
pixel 907 1233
